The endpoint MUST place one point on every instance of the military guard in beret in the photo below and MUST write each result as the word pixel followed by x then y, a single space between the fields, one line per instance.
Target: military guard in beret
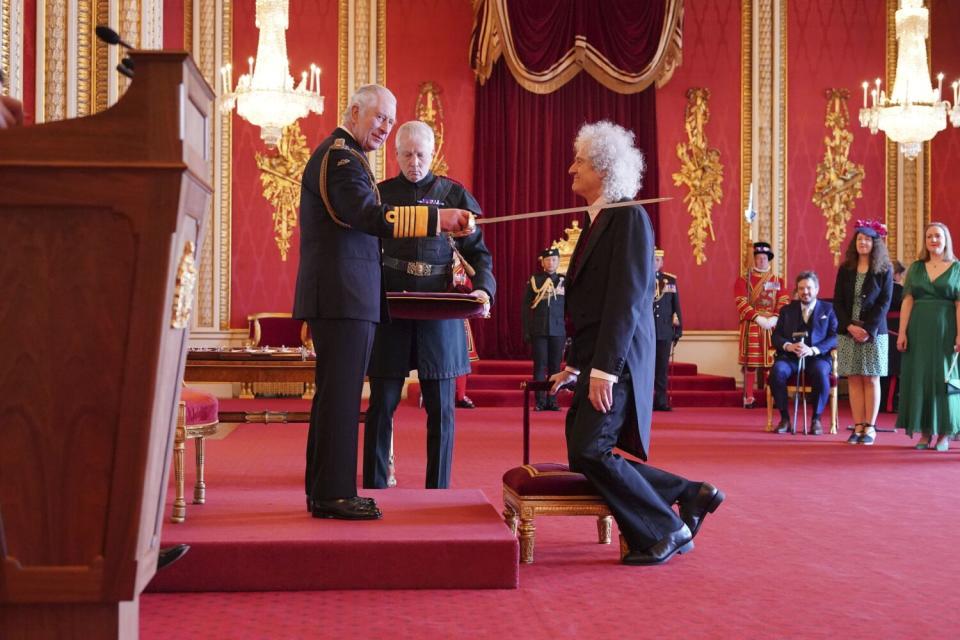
pixel 543 324
pixel 668 322
pixel 759 295
pixel 339 290
pixel 437 349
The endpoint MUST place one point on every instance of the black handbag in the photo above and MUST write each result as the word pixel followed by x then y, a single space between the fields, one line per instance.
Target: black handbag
pixel 953 378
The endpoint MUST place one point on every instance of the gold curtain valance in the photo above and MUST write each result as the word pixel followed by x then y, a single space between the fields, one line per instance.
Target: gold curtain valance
pixel 492 38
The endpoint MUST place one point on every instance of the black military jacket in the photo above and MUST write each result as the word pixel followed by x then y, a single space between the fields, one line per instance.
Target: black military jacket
pixel 546 318
pixel 436 348
pixel 666 302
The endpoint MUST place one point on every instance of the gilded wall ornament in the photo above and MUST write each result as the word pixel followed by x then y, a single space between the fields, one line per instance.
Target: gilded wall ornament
pixel 838 179
pixel 184 287
pixel 429 109
pixel 700 171
pixel 280 174
pixel 566 247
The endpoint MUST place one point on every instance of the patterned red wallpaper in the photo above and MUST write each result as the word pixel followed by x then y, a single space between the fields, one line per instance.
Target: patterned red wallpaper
pixel 945 149
pixel 711 59
pixel 260 280
pixel 829 45
pixel 418 51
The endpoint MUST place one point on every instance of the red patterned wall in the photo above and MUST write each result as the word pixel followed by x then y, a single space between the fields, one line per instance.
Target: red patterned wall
pixel 260 280
pixel 945 150
pixel 711 59
pixel 173 25
pixel 830 44
pixel 418 51
pixel 29 60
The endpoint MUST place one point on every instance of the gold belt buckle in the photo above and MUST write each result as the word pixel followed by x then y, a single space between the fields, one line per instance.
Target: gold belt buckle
pixel 418 268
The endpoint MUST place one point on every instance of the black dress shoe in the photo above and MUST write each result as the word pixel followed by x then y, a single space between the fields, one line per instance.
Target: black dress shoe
pixel 168 556
pixel 680 541
pixel 466 403
pixel 369 501
pixel 783 426
pixel 553 406
pixel 816 427
pixel 706 501
pixel 663 407
pixel 345 509
pixel 539 407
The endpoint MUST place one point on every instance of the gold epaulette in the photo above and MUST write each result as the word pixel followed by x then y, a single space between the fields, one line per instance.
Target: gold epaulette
pixel 409 222
pixel 340 144
pixel 671 275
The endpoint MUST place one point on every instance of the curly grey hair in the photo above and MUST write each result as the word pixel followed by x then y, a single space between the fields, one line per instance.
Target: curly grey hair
pixel 610 149
pixel 417 130
pixel 363 97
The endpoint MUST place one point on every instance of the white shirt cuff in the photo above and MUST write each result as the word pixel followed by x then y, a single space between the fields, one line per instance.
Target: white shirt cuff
pixel 603 375
pixel 816 351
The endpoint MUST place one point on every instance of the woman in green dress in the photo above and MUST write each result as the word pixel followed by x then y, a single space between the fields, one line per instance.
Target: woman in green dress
pixel 928 339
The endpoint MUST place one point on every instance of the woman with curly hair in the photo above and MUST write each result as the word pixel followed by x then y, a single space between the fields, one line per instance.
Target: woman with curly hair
pixel 861 300
pixel 929 341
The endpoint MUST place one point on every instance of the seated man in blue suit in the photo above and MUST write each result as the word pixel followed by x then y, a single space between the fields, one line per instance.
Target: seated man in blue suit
pixel 807 329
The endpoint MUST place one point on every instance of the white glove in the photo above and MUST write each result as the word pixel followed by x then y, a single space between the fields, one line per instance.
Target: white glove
pixel 480 294
pixel 761 322
pixel 773 322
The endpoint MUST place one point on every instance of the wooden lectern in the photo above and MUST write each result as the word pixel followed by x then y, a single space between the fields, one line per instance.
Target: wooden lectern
pixel 100 219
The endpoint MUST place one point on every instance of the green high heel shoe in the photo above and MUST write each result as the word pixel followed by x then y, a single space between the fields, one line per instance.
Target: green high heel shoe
pixel 923 445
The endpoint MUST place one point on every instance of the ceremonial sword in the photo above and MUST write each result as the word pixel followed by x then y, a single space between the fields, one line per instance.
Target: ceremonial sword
pixel 472 224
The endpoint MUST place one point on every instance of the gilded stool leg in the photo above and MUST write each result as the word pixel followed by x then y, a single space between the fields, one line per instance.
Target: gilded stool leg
pixel 309 390
pixel 527 532
pixel 179 444
pixel 624 547
pixel 200 487
pixel 604 529
pixel 510 517
pixel 246 391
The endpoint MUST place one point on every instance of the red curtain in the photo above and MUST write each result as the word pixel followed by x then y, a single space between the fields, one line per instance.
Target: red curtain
pixel 523 148
pixel 625 32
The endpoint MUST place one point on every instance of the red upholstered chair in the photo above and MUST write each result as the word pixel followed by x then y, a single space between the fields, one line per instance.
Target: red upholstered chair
pixel 277 330
pixel 196 419
pixel 549 489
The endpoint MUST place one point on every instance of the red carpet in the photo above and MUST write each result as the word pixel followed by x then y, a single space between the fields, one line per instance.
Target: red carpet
pixel 496 383
pixel 254 533
pixel 817 539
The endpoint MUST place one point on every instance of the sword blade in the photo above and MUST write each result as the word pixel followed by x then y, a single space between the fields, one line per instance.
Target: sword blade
pixel 559 212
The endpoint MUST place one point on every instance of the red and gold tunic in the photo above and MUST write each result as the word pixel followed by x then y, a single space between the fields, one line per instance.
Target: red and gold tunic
pixel 758 293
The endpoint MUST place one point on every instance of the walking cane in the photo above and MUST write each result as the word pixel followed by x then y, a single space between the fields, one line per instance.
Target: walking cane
pixel 799 389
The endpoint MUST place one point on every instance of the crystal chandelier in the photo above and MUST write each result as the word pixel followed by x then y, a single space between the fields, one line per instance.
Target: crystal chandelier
pixel 265 96
pixel 915 111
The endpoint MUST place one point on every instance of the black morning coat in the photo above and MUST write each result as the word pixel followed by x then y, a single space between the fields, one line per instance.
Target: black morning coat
pixel 609 298
pixel 441 345
pixel 875 297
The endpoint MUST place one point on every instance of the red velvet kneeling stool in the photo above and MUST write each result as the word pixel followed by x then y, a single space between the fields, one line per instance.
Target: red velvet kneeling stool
pixel 196 419
pixel 547 488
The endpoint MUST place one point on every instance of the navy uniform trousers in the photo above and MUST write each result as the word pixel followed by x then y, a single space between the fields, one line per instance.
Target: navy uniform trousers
pixel 343 349
pixel 438 400
pixel 639 495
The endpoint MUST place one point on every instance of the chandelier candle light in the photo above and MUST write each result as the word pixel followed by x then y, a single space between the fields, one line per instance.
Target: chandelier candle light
pixel 265 96
pixel 915 111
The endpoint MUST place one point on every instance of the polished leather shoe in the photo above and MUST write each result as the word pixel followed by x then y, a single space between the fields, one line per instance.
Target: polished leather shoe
pixel 168 556
pixel 694 511
pixel 369 501
pixel 816 427
pixel 680 541
pixel 539 407
pixel 465 403
pixel 783 426
pixel 346 509
pixel 663 407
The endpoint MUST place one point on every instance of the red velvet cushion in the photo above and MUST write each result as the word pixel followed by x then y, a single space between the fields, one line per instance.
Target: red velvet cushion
pixel 279 332
pixel 433 306
pixel 547 479
pixel 202 408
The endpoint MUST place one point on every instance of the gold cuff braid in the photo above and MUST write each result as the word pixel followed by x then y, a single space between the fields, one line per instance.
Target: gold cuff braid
pixel 409 222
